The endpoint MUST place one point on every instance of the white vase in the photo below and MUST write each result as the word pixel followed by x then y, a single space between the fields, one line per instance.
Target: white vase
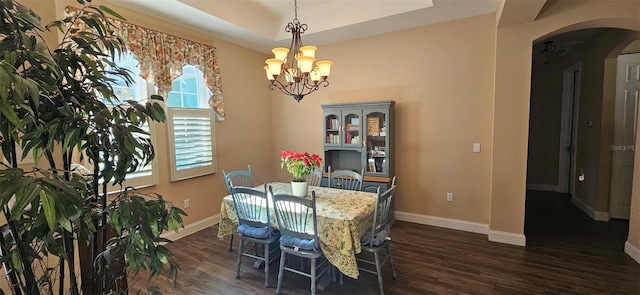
pixel 300 189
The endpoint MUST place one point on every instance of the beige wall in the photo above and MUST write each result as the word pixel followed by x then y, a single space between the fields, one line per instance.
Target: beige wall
pixel 455 83
pixel 513 75
pixel 441 78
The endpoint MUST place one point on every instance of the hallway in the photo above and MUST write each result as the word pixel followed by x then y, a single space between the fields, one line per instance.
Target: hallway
pixel 551 220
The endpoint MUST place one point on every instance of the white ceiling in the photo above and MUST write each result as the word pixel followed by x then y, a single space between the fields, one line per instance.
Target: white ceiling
pixel 259 24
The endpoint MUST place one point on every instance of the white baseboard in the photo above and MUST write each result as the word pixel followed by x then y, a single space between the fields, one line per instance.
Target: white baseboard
pixel 601 216
pixel 457 224
pixel 507 238
pixel 542 187
pixel 632 251
pixel 468 226
pixel 595 215
pixel 192 228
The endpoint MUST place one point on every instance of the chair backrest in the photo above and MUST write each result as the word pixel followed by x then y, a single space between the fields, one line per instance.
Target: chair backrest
pixel 315 178
pixel 239 178
pixel 382 212
pixel 252 205
pixel 346 179
pixel 296 216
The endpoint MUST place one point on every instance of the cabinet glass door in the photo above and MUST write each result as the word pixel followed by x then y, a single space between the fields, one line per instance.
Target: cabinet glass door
pixel 332 128
pixel 351 128
pixel 376 142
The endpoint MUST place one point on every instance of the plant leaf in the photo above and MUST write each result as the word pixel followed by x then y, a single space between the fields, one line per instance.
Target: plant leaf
pixel 49 207
pixel 111 12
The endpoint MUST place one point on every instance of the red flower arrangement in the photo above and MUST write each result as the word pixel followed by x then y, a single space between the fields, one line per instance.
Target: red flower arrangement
pixel 299 165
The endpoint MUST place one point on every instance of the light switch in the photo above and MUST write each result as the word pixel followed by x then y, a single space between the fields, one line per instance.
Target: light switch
pixel 476 147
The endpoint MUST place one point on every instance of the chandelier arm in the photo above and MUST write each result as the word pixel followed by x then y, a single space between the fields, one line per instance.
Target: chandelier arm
pixel 279 86
pixel 310 86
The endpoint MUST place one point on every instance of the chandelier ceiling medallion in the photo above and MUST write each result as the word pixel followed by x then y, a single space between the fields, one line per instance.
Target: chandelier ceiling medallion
pixel 294 70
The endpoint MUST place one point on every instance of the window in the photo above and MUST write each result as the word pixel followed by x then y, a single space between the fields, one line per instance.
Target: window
pixel 191 126
pixel 144 175
pixel 188 90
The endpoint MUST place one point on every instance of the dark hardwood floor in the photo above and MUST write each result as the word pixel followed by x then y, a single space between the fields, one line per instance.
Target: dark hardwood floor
pixel 566 253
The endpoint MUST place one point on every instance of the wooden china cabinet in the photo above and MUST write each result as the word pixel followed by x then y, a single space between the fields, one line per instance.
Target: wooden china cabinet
pixel 360 136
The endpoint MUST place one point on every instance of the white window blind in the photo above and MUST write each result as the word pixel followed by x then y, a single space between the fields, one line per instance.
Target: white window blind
pixel 192 142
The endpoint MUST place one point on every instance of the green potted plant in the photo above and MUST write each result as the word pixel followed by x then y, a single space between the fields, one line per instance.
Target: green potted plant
pixel 299 165
pixel 58 104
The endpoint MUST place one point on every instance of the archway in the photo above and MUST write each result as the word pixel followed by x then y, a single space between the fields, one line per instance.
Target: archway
pixel 511 105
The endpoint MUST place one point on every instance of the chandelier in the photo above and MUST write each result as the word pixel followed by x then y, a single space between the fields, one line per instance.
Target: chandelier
pixel 294 70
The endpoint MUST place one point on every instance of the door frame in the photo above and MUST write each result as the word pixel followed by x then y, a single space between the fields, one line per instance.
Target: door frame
pixel 569 128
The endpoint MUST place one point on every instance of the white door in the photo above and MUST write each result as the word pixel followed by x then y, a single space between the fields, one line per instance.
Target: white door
pixel 624 131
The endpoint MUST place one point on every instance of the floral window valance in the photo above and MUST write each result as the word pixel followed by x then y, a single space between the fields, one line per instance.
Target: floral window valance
pixel 161 57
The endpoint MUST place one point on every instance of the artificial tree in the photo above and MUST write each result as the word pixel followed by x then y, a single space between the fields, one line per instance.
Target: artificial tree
pixel 58 104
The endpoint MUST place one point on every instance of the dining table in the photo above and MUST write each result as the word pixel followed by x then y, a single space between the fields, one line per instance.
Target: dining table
pixel 343 217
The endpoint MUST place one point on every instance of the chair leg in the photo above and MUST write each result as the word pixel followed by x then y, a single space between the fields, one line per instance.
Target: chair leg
pixel 379 271
pixel 335 271
pixel 266 265
pixel 333 274
pixel 313 276
pixel 231 243
pixel 280 271
pixel 393 268
pixel 240 249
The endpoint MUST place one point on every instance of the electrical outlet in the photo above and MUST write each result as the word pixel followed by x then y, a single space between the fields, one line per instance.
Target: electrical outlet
pixel 450 197
pixel 186 203
pixel 476 147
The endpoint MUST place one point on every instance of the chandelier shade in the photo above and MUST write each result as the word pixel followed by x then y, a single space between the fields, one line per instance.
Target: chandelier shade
pixel 294 70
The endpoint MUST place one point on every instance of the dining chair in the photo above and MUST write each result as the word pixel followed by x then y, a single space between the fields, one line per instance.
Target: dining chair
pixel 315 178
pixel 252 208
pixel 377 237
pixel 241 178
pixel 346 179
pixel 297 222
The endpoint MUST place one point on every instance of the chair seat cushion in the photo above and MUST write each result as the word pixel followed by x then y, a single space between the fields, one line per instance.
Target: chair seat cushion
pixel 289 241
pixel 254 232
pixel 377 239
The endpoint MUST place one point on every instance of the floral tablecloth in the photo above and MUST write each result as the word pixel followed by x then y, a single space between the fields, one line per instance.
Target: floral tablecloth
pixel 343 217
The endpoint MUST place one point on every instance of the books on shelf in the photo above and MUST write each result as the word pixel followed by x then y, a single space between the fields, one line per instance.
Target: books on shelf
pixel 333 138
pixel 333 123
pixel 351 138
